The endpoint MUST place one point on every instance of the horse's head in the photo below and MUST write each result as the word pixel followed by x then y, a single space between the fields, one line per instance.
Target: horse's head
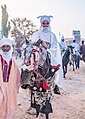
pixel 67 51
pixel 71 49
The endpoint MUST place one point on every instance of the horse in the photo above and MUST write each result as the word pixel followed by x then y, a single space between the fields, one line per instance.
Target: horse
pixel 65 60
pixel 39 79
pixel 75 59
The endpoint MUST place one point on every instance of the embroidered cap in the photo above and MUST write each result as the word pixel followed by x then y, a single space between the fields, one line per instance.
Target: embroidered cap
pixel 45 17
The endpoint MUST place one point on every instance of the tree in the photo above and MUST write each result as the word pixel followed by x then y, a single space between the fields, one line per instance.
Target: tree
pixel 5 25
pixel 22 29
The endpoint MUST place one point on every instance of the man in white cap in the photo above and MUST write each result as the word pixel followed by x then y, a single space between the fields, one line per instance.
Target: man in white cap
pixel 9 80
pixel 49 38
pixel 49 41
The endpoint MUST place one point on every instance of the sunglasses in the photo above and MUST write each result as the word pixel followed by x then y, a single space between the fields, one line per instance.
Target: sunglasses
pixel 45 23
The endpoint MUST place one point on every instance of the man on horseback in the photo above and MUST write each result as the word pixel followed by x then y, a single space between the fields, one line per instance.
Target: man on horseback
pixel 63 45
pixel 75 53
pixel 45 43
pixel 75 46
pixel 50 41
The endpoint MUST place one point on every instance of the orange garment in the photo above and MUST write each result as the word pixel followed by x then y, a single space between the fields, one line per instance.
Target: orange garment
pixel 8 92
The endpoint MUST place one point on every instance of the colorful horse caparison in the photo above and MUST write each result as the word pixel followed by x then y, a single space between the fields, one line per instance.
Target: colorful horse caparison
pixel 39 80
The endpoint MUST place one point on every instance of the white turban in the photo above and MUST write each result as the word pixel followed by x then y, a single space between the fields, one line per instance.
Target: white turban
pixel 5 41
pixel 45 17
pixel 6 55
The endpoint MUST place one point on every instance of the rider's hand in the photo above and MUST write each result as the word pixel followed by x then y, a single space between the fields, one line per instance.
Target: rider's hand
pixel 38 43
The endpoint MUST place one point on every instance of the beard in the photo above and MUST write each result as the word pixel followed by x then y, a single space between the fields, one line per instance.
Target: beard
pixel 45 29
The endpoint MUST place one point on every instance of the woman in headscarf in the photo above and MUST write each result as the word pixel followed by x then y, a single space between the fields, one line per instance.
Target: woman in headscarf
pixel 9 80
pixel 49 39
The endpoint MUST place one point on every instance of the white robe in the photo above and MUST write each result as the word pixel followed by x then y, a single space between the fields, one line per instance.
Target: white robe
pixel 54 51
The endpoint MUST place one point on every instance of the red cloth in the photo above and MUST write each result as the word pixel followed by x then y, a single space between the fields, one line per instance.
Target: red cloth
pixel 45 86
pixel 56 66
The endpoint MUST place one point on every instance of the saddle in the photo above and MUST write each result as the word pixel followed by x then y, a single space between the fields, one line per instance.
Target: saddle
pixel 42 68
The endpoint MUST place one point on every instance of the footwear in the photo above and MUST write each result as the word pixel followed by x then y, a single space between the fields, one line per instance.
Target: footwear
pixel 56 90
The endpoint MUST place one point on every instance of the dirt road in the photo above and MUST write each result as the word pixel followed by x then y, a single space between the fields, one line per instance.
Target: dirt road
pixel 70 105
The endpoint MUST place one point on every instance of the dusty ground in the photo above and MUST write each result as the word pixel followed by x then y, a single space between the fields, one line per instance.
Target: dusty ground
pixel 70 105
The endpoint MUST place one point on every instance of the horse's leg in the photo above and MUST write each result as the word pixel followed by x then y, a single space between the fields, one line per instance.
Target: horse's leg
pixel 65 70
pixel 70 62
pixel 78 61
pixel 64 75
pixel 63 66
pixel 73 62
pixel 73 66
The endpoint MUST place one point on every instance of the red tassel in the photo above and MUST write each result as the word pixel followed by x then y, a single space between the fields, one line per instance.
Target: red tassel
pixel 56 66
pixel 45 86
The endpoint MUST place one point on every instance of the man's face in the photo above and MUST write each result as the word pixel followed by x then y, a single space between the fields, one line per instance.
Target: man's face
pixel 5 48
pixel 45 23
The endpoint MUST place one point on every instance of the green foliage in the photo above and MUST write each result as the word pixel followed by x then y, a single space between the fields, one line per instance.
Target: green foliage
pixel 22 29
pixel 5 25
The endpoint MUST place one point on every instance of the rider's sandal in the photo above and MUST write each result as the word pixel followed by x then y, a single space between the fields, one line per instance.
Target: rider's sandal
pixel 56 90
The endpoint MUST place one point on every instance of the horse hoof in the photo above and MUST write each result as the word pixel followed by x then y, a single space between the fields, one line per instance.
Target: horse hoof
pixel 64 76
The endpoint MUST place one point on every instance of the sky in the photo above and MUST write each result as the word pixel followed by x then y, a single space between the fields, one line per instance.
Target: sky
pixel 68 15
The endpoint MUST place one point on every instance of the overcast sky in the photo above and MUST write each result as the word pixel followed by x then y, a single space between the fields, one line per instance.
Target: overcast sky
pixel 68 14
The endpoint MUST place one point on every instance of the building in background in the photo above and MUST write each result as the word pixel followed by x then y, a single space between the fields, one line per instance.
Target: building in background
pixel 77 36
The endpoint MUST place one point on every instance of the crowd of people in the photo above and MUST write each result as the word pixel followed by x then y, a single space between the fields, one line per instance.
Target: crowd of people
pixel 10 83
